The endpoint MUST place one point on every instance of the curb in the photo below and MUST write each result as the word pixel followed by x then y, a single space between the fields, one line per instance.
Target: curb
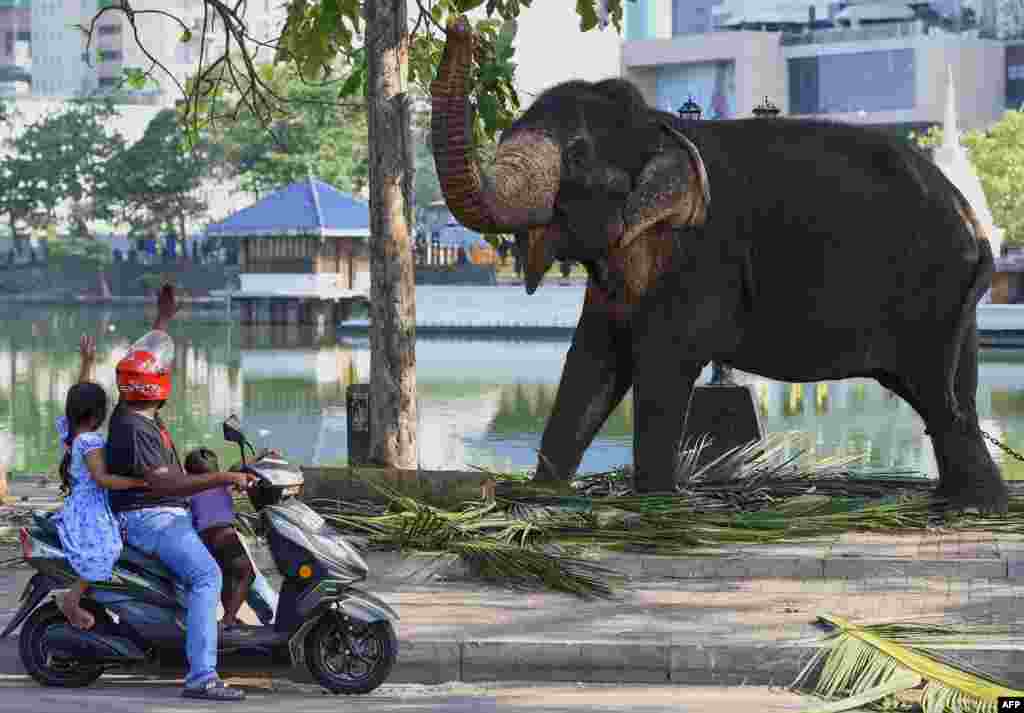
pixel 755 664
pixel 421 568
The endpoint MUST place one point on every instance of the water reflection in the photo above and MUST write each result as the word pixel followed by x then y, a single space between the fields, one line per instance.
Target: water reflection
pixel 480 402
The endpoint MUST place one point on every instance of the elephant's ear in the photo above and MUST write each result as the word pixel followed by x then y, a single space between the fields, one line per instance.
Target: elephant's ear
pixel 673 188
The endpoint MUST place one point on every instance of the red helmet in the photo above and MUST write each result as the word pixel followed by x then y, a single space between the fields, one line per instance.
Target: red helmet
pixel 144 374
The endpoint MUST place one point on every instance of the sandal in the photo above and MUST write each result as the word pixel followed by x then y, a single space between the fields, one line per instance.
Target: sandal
pixel 213 690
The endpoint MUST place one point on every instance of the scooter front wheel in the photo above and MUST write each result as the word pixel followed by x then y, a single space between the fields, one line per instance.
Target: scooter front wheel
pixel 350 657
pixel 38 658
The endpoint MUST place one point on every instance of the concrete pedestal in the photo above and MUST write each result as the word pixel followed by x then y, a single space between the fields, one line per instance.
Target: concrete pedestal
pixel 728 412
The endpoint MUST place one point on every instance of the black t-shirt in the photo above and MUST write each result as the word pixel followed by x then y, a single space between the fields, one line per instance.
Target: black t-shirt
pixel 135 445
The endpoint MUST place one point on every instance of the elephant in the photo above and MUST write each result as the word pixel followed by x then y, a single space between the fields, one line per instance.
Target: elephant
pixel 831 251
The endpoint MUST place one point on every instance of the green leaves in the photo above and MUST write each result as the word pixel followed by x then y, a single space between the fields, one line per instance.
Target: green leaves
pixel 316 33
pixel 153 182
pixel 998 157
pixel 588 14
pixel 493 84
pixel 61 158
pixel 136 78
pixel 317 131
pixel 355 85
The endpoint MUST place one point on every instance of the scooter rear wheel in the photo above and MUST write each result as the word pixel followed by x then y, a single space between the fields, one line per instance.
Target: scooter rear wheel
pixel 36 655
pixel 351 657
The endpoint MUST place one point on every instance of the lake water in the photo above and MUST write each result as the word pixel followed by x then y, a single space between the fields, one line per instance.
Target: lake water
pixel 481 402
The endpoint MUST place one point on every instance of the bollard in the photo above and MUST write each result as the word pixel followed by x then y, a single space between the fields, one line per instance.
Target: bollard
pixel 357 406
pixel 727 412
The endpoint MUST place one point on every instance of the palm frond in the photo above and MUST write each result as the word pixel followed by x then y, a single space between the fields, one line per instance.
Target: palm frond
pixel 860 659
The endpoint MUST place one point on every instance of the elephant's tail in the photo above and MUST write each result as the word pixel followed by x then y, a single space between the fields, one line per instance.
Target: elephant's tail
pixel 983 271
pixel 970 218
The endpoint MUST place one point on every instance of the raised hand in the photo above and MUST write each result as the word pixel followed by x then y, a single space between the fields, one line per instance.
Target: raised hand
pixel 166 307
pixel 87 350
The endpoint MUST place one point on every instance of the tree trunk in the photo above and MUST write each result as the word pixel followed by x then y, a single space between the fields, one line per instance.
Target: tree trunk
pixel 393 417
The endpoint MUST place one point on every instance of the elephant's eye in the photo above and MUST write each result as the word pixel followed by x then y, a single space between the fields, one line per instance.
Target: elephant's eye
pixel 577 153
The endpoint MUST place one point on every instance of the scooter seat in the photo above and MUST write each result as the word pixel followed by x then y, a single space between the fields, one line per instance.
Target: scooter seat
pixel 138 560
pixel 130 556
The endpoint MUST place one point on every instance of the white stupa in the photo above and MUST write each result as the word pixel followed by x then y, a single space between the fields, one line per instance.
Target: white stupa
pixel 952 158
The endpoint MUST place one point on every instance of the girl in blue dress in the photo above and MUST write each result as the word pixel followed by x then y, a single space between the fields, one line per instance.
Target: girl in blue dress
pixel 89 533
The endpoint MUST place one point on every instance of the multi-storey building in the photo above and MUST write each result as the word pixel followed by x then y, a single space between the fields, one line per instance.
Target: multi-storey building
pixel 42 48
pixel 864 62
pixel 15 60
pixel 57 47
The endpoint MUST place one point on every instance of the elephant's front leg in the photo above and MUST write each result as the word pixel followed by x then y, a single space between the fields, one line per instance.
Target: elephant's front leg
pixel 661 395
pixel 597 374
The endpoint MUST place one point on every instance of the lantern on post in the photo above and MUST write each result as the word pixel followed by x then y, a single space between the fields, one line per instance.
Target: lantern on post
pixel 722 409
pixel 690 110
pixel 766 110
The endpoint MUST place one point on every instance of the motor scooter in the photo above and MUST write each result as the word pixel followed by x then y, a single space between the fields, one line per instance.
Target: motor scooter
pixel 344 636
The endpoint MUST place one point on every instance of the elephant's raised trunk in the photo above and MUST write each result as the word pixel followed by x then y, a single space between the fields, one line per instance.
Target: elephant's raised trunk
pixel 527 167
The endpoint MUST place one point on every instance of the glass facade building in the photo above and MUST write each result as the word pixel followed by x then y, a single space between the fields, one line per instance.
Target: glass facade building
pixel 711 84
pixel 639 19
pixel 846 83
pixel 1014 76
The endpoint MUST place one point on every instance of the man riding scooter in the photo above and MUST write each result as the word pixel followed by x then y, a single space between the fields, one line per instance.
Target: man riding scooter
pixel 157 520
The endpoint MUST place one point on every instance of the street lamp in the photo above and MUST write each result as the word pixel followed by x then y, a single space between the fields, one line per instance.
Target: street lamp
pixel 766 110
pixel 720 374
pixel 690 110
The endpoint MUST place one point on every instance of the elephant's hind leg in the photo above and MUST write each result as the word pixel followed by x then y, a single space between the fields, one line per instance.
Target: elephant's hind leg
pixel 598 372
pixel 970 477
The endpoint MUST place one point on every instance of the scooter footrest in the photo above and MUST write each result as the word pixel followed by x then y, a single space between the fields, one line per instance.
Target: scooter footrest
pixel 251 637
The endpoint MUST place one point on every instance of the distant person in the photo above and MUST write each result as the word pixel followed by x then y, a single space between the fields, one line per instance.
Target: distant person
pixel 461 256
pixel 6 460
pixel 566 269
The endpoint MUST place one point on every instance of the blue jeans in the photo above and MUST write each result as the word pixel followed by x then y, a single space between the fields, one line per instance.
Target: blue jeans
pixel 167 534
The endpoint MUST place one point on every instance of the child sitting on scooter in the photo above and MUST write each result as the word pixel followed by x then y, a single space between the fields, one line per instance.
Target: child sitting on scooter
pixel 213 514
pixel 88 531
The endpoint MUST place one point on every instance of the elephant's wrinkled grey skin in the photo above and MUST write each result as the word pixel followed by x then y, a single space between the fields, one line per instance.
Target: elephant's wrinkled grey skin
pixel 829 252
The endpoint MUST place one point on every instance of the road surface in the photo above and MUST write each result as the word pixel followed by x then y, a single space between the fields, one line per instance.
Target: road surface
pixel 125 695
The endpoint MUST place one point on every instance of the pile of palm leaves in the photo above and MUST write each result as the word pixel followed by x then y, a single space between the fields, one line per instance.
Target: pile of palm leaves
pixel 766 492
pixel 891 667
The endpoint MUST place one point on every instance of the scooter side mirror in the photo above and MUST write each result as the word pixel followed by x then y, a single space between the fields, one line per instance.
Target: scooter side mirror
pixel 233 432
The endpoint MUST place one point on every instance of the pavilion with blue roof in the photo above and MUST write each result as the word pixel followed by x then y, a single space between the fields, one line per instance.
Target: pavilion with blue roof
pixel 310 208
pixel 302 249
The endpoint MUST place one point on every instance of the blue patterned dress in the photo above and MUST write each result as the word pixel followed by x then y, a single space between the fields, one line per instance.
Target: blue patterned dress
pixel 88 531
